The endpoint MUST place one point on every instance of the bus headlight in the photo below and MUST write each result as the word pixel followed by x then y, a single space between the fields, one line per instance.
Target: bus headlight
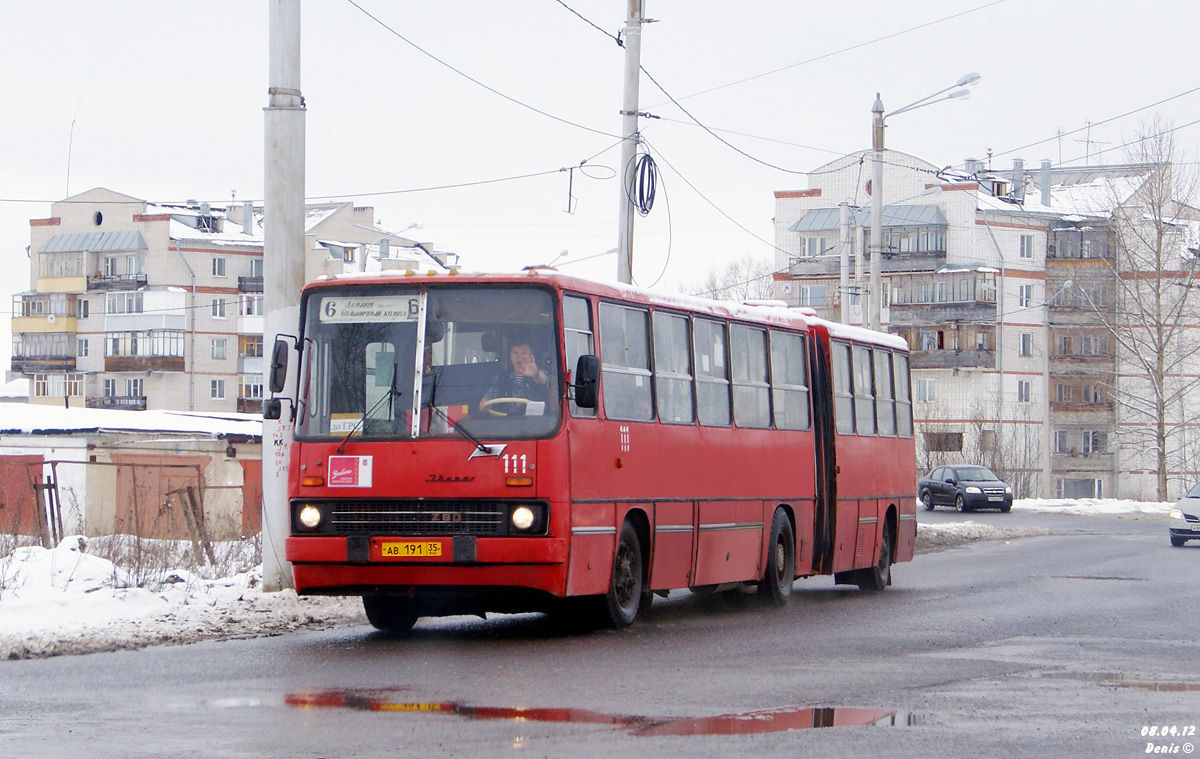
pixel 309 516
pixel 522 518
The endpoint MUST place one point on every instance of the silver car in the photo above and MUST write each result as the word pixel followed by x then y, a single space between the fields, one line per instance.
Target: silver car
pixel 1184 520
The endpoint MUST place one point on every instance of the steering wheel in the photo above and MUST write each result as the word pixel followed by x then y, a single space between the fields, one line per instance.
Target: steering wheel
pixel 488 404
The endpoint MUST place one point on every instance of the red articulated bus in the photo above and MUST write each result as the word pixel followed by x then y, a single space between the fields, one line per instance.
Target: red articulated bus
pixel 475 443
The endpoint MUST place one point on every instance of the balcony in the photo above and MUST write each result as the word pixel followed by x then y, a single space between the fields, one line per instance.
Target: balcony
pixel 939 314
pixel 250 365
pixel 250 284
pixel 1070 461
pixel 144 364
pixel 119 402
pixel 249 405
pixel 108 283
pixel 953 359
pixel 43 364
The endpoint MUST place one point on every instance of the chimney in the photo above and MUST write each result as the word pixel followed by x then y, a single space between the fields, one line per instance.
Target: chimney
pixel 383 249
pixel 1018 183
pixel 247 218
pixel 972 166
pixel 1044 182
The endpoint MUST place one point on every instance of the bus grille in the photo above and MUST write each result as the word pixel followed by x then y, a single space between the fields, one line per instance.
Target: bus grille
pixel 419 518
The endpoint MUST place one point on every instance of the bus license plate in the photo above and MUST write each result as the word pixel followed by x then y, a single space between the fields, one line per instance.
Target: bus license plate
pixel 413 549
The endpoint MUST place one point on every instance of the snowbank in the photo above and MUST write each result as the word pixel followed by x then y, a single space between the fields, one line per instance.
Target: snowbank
pixel 65 601
pixel 1092 506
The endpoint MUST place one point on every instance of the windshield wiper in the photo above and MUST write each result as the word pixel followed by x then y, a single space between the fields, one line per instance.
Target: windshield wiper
pixel 483 447
pixel 391 394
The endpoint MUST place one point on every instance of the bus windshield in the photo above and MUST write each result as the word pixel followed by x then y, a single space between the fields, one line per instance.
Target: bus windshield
pixel 396 362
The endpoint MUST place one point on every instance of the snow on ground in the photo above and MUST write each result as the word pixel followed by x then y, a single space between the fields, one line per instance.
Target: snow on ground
pixel 73 600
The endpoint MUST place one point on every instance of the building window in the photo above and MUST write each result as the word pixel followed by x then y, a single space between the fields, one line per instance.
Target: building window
pixel 124 303
pixel 133 387
pixel 1080 488
pixel 218 266
pixel 256 267
pixel 1024 391
pixel 110 267
pixel 81 348
pixel 217 389
pixel 1062 442
pixel 1026 346
pixel 218 308
pixel 251 389
pixel 57 385
pixel 110 388
pixel 987 440
pixel 218 348
pixel 250 346
pixel 250 305
pixel 811 247
pixel 1026 246
pixel 926 389
pixel 1025 296
pixel 944 441
pixel 167 342
pixel 812 295
pixel 1093 394
pixel 1094 441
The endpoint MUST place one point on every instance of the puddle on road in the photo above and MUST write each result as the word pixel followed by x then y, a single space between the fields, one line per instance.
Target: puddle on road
pixel 766 721
pixel 1124 680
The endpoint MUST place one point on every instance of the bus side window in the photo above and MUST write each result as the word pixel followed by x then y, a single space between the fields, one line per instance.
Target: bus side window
pixel 864 391
pixel 904 423
pixel 712 373
pixel 577 328
pixel 672 368
pixel 751 393
pixel 625 357
pixel 843 398
pixel 885 405
pixel 789 381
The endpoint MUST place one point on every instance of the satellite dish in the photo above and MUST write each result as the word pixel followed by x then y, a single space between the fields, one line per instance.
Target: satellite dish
pixel 50 318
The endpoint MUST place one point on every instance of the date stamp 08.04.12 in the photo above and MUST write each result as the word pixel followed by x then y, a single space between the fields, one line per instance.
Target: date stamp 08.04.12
pixel 1169 739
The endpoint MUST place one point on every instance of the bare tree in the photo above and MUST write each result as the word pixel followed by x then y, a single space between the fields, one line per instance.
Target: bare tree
pixel 1154 318
pixel 741 279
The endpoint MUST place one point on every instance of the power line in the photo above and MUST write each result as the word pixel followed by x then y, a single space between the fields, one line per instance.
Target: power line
pixel 1098 123
pixel 1137 140
pixel 472 79
pixel 614 37
pixel 846 49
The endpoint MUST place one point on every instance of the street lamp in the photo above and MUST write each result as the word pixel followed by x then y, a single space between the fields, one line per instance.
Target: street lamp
pixel 875 291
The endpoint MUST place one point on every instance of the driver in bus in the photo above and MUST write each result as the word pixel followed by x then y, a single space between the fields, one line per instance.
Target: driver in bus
pixel 522 380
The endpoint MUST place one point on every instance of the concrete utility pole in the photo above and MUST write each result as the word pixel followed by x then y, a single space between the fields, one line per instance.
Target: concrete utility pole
pixel 283 267
pixel 875 288
pixel 844 258
pixel 629 130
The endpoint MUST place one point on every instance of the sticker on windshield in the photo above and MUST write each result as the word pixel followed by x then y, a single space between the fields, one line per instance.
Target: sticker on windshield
pixel 380 308
pixel 349 472
pixel 341 424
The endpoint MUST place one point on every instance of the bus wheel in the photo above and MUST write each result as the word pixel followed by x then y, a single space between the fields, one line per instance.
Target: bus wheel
pixel 391 614
pixel 624 595
pixel 781 561
pixel 879 576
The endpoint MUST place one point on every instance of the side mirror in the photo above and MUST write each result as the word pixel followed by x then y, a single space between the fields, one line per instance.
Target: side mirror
pixel 273 408
pixel 587 381
pixel 279 365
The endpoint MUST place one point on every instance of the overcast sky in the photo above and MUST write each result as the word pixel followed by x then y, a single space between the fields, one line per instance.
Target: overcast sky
pixel 166 100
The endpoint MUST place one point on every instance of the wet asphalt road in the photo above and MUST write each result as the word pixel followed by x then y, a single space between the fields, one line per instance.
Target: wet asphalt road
pixel 1060 646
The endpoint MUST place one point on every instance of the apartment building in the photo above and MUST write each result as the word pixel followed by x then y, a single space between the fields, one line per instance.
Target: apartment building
pixel 1005 285
pixel 140 305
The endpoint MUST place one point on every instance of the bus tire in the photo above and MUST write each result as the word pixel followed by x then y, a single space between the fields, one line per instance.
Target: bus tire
pixel 391 614
pixel 624 596
pixel 878 577
pixel 776 584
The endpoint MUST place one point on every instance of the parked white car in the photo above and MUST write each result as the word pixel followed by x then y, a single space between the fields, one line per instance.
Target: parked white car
pixel 1184 520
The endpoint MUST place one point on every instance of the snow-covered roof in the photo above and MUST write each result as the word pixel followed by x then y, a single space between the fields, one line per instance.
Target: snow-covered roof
pixel 35 419
pixel 18 388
